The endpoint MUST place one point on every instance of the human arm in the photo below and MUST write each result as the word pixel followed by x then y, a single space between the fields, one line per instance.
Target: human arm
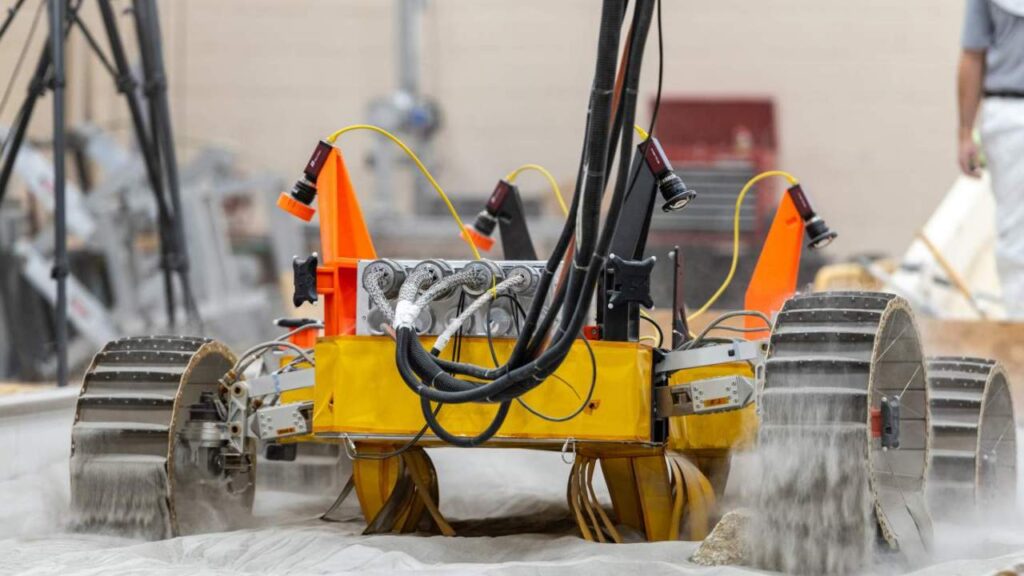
pixel 970 78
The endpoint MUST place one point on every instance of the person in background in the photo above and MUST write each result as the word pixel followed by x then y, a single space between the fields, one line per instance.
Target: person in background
pixel 991 76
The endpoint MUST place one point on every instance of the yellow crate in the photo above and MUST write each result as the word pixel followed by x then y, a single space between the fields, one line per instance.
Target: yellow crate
pixel 359 393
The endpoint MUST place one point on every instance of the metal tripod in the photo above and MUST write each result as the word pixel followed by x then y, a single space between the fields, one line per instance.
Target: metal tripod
pixel 153 133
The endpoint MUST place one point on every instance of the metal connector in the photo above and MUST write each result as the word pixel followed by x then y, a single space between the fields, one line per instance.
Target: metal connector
pixel 707 396
pixel 284 420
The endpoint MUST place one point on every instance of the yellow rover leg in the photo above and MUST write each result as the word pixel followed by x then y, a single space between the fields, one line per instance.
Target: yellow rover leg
pixel 650 493
pixel 374 479
pixel 394 493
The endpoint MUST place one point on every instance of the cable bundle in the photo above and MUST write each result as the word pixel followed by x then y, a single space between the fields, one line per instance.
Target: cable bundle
pixel 583 246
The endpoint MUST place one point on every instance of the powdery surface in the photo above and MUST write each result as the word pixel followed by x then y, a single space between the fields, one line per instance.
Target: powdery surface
pixel 286 538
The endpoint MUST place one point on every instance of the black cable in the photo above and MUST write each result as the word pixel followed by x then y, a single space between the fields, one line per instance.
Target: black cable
pixel 600 156
pixel 457 345
pixel 583 405
pixel 21 56
pixel 464 441
pixel 661 334
pixel 528 340
pixel 595 268
pixel 598 140
pixel 569 291
pixel 414 362
pixel 456 354
pixel 400 450
pixel 518 380
pixel 519 311
pixel 612 12
pixel 11 13
pixel 661 72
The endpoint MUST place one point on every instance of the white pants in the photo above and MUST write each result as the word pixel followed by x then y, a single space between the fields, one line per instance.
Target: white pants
pixel 1002 136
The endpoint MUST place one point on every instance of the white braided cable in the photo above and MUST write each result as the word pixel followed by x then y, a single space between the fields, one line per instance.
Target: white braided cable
pixel 406 311
pixel 409 306
pixel 481 301
pixel 377 294
pixel 460 278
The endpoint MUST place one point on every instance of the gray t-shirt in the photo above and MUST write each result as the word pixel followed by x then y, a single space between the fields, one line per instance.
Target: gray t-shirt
pixel 997 27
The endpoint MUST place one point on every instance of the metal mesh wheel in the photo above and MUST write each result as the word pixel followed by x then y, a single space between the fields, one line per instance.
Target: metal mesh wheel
pixel 830 493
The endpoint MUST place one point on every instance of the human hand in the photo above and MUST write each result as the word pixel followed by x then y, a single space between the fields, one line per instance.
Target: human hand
pixel 968 156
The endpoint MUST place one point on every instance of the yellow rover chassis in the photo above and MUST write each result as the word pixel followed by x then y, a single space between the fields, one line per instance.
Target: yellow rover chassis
pixel 359 394
pixel 658 489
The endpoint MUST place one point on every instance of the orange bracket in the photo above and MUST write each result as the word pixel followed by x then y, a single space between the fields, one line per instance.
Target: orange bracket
pixel 344 241
pixel 775 276
pixel 304 339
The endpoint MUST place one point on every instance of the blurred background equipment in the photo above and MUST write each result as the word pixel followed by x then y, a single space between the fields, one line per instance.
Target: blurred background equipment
pixel 411 115
pixel 125 230
pixel 153 134
pixel 949 269
pixel 116 285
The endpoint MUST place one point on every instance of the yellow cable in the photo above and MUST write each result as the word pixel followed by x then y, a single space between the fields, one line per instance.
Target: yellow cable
pixel 641 132
pixel 551 180
pixel 423 169
pixel 736 236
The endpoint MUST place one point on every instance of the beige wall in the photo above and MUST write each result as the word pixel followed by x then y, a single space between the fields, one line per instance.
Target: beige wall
pixel 864 89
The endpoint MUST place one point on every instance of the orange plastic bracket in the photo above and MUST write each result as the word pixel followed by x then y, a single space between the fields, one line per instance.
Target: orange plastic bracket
pixel 775 276
pixel 344 241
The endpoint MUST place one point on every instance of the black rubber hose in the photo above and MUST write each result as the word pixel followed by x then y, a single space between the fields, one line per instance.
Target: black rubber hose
pixel 536 306
pixel 642 22
pixel 526 377
pixel 443 387
pixel 464 441
pixel 573 286
pixel 589 174
pixel 600 127
pixel 613 13
pixel 641 16
pixel 599 150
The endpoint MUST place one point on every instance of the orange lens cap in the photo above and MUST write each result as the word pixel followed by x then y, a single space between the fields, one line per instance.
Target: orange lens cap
pixel 294 207
pixel 482 242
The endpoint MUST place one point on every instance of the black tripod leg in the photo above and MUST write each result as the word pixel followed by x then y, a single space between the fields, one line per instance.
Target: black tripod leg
pixel 60 261
pixel 126 85
pixel 36 88
pixel 148 27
